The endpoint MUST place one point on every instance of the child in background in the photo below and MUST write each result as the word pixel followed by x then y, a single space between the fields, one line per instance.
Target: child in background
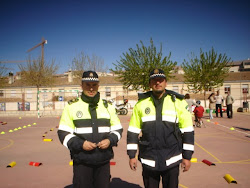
pixel 198 113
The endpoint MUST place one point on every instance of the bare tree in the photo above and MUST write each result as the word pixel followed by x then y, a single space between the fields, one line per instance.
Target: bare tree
pixel 37 73
pixel 84 62
pixel 3 71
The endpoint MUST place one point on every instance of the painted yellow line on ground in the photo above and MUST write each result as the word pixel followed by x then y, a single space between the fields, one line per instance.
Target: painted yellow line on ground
pixel 239 162
pixel 182 186
pixel 207 152
pixel 11 143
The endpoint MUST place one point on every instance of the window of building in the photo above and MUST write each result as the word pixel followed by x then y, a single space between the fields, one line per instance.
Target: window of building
pixel 13 93
pixel 209 89
pixel 28 94
pixel 74 92
pixel 245 88
pixel 108 91
pixel 45 94
pixel 176 89
pixel 1 93
pixel 227 89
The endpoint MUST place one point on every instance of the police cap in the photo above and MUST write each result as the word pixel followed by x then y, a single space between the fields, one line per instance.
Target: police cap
pixel 90 76
pixel 157 73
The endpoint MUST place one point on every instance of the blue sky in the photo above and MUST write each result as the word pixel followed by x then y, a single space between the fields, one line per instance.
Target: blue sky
pixel 108 28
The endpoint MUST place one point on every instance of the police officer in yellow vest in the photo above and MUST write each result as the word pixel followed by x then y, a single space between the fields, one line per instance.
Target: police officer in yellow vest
pixel 89 128
pixel 162 127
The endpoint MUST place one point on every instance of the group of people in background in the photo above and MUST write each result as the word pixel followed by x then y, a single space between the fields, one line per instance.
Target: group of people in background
pixel 215 103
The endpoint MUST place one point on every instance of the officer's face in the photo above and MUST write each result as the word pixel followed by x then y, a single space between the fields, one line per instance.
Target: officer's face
pixel 158 85
pixel 90 88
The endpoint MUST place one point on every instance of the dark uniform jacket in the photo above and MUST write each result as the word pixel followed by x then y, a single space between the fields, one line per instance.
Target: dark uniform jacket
pixel 83 119
pixel 167 131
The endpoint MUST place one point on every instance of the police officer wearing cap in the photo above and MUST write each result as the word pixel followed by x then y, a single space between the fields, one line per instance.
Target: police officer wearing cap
pixel 89 128
pixel 162 127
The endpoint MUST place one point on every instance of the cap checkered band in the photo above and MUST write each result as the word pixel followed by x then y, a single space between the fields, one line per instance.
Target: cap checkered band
pixel 90 79
pixel 158 75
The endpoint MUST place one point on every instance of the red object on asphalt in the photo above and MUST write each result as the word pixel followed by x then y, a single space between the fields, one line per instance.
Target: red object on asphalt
pixel 112 163
pixel 208 162
pixel 35 164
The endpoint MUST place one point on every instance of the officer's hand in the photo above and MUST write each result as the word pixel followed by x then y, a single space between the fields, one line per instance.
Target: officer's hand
pixel 87 145
pixel 133 164
pixel 104 144
pixel 185 165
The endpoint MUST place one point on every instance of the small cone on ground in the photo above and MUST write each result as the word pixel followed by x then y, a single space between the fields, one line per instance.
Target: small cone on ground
pixel 194 160
pixel 20 117
pixel 19 128
pixel 207 162
pixel 24 126
pixel 2 132
pixel 4 123
pixel 10 131
pixel 230 179
pixel 15 129
pixel 34 123
pixel 232 129
pixel 35 164
pixel 216 123
pixel 208 120
pixel 51 129
pixel 12 164
pixel 29 125
pixel 47 140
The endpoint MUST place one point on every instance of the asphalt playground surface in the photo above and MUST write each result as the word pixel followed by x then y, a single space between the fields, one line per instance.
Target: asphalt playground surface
pixel 224 142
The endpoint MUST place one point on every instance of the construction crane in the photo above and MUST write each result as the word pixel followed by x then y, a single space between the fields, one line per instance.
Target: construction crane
pixel 42 45
pixel 12 61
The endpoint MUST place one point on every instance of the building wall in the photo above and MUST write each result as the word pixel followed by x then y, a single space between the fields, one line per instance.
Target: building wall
pixel 48 102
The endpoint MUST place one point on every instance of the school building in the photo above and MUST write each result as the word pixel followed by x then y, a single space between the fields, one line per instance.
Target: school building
pixel 20 99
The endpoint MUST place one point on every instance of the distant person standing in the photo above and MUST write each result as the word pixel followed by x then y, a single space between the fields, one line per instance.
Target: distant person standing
pixel 229 103
pixel 198 114
pixel 212 101
pixel 190 102
pixel 219 102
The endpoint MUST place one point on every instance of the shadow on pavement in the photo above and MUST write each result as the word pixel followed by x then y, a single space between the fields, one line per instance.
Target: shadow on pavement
pixel 244 129
pixel 116 182
pixel 69 186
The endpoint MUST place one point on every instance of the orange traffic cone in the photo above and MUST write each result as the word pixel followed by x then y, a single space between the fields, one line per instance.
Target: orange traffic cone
pixel 35 164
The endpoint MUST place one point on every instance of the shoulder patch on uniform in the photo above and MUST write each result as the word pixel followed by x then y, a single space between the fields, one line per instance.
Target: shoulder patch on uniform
pixel 147 110
pixel 73 101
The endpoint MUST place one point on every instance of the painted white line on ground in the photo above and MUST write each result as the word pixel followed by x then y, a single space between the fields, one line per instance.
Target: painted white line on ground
pixel 229 128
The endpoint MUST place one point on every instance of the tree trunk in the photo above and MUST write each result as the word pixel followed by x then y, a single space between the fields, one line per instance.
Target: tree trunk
pixel 37 103
pixel 205 98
